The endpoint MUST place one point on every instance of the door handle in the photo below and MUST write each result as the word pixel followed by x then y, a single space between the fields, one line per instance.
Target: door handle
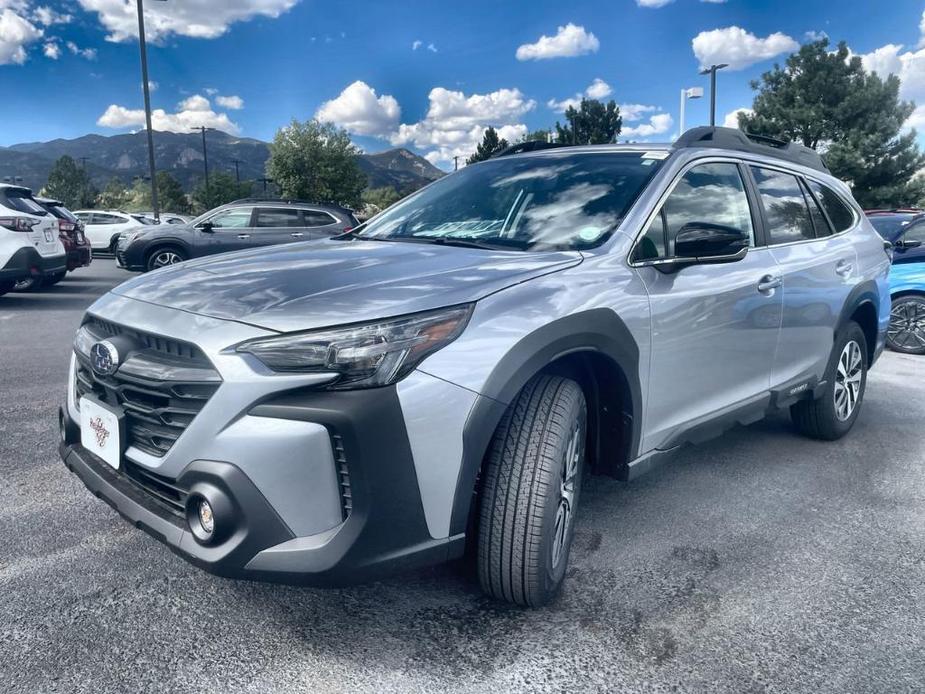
pixel 769 283
pixel 297 235
pixel 244 236
pixel 843 267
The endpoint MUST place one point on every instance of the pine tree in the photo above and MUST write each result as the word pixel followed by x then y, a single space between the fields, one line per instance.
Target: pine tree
pixel 490 144
pixel 70 184
pixel 592 123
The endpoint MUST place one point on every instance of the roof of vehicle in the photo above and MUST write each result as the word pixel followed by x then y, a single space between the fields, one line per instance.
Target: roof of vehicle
pixel 897 211
pixel 13 186
pixel 277 201
pixel 702 137
pixel 50 201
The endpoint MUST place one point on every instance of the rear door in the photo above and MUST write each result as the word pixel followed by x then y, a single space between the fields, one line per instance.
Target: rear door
pixel 320 224
pixel 818 266
pixel 275 225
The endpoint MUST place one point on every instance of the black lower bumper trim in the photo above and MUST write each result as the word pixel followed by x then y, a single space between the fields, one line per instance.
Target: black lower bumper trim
pixel 27 262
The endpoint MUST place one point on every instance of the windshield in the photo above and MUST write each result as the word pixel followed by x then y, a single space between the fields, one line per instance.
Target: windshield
pixel 564 200
pixel 889 227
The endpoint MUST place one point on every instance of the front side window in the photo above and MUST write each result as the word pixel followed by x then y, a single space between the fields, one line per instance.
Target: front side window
pixel 841 215
pixel 276 218
pixel 232 219
pixel 916 232
pixel 711 194
pixel 785 208
pixel 553 200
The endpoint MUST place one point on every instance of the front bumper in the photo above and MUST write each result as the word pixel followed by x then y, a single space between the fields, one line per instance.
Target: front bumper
pixel 383 529
pixel 27 262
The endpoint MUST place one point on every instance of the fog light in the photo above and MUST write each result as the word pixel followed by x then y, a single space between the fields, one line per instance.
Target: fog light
pixel 206 520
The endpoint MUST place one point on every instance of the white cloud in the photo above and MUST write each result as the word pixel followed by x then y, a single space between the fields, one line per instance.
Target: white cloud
pixel 204 19
pixel 416 44
pixel 432 48
pixel 235 103
pixel 732 118
pixel 739 48
pixel 598 89
pixel 211 91
pixel 455 123
pixel 88 53
pixel 152 86
pixel 715 2
pixel 46 16
pixel 917 119
pixel 569 41
pixel 360 111
pixel 193 112
pixel 634 112
pixel 815 36
pixel 653 3
pixel 909 66
pixel 659 124
pixel 16 32
pixel 51 50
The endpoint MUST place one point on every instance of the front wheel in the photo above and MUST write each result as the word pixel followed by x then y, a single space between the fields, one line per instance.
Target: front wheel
pixel 163 257
pixel 831 415
pixel 531 491
pixel 906 333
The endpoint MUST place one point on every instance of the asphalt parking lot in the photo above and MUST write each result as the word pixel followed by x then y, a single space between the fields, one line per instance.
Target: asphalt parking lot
pixel 760 561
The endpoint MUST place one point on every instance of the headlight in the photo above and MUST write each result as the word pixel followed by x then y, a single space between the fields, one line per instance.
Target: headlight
pixel 364 356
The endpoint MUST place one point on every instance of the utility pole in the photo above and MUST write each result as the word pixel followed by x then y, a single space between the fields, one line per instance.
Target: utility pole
pixel 205 154
pixel 456 163
pixel 711 71
pixel 83 161
pixel 265 180
pixel 237 176
pixel 147 93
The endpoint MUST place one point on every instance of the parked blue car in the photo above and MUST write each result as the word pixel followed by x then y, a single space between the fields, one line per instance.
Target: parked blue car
pixel 905 229
pixel 907 317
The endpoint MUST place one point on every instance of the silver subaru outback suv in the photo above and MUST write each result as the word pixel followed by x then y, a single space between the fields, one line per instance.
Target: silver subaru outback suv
pixel 444 376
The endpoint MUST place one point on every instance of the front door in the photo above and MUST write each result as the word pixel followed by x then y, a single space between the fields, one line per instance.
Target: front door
pixel 714 326
pixel 231 230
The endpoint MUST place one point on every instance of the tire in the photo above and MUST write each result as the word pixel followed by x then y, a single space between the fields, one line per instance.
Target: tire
pixel 907 325
pixel 831 415
pixel 532 484
pixel 164 256
pixel 30 284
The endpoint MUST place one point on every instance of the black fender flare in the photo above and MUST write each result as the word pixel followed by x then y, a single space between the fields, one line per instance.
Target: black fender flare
pixel 597 330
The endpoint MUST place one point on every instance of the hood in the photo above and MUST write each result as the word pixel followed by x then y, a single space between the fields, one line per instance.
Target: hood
pixel 317 284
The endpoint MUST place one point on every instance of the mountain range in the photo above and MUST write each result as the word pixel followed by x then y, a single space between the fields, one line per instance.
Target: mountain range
pixel 126 157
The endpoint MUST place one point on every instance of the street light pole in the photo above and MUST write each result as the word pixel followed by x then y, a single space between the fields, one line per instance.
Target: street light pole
pixel 237 175
pixel 692 93
pixel 147 92
pixel 711 71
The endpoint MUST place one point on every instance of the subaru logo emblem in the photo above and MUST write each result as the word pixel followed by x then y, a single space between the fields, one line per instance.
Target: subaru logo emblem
pixel 104 358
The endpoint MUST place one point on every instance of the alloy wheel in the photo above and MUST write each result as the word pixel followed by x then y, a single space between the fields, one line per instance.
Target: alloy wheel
pixel 907 325
pixel 165 258
pixel 565 512
pixel 848 376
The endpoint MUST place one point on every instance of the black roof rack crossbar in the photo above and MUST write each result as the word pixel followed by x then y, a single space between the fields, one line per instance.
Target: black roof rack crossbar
pixel 289 201
pixel 528 146
pixel 740 141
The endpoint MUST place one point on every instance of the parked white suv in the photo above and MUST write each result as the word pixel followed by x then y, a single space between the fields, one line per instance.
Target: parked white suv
pixel 29 241
pixel 102 227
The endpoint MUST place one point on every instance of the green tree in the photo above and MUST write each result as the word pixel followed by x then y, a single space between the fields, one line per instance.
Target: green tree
pixel 381 198
pixel 826 100
pixel 318 162
pixel 170 195
pixel 541 135
pixel 491 143
pixel 222 189
pixel 114 196
pixel 592 123
pixel 70 184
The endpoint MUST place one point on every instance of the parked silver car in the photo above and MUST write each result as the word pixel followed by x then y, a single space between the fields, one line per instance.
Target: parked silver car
pixel 327 411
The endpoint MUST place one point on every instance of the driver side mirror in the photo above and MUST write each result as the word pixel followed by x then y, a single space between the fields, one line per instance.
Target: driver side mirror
pixel 702 242
pixel 207 227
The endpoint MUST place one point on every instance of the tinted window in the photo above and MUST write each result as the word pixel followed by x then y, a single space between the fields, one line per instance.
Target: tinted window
pixel 278 218
pixel 820 223
pixel 21 201
pixel 99 218
pixel 62 213
pixel 841 215
pixel 709 193
pixel 890 226
pixel 916 232
pixel 314 218
pixel 232 219
pixel 784 205
pixel 556 199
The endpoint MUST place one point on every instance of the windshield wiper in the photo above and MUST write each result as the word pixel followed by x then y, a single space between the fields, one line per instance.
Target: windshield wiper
pixel 469 242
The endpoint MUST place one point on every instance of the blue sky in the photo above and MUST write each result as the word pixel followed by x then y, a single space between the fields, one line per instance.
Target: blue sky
pixel 425 75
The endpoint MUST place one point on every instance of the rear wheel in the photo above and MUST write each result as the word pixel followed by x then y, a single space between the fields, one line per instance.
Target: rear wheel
pixel 831 415
pixel 531 491
pixel 52 280
pixel 907 325
pixel 162 257
pixel 30 284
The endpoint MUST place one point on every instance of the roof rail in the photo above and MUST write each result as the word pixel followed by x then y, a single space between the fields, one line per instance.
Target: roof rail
pixel 289 201
pixel 741 141
pixel 528 146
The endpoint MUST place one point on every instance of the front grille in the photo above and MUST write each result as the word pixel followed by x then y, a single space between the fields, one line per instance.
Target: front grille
pixel 163 490
pixel 161 386
pixel 343 474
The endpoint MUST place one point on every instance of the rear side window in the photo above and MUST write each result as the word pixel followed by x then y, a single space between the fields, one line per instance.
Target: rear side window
pixel 314 218
pixel 709 193
pixel 841 215
pixel 21 201
pixel 785 208
pixel 820 223
pixel 277 218
pixel 99 218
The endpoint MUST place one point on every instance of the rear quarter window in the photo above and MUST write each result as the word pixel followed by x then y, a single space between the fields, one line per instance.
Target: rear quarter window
pixel 21 201
pixel 841 216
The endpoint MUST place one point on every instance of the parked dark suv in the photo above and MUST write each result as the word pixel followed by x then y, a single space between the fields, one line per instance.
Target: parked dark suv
pixel 233 227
